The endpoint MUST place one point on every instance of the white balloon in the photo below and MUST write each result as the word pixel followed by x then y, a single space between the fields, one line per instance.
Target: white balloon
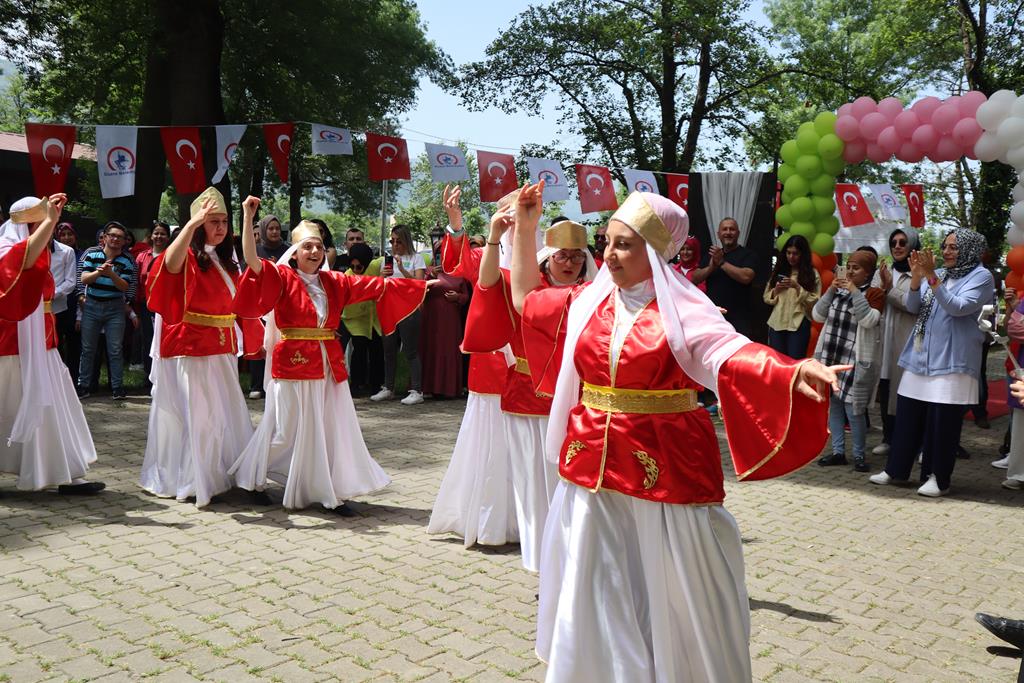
pixel 992 112
pixel 988 147
pixel 1018 107
pixel 1017 215
pixel 1011 131
pixel 1015 236
pixel 1018 192
pixel 1015 157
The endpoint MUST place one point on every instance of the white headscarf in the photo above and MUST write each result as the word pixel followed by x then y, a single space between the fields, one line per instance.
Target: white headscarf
pixel 700 338
pixel 36 385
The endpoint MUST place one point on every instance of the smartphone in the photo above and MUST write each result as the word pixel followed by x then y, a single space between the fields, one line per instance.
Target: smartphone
pixel 779 278
pixel 389 260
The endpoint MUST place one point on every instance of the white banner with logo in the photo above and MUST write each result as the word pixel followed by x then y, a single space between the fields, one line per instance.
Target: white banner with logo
pixel 330 140
pixel 550 171
pixel 640 181
pixel 888 202
pixel 447 163
pixel 227 144
pixel 115 159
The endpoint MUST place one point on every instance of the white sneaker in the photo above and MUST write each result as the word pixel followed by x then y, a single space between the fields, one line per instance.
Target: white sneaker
pixel 881 449
pixel 1013 484
pixel 931 488
pixel 882 478
pixel 254 394
pixel 384 394
pixel 1002 463
pixel 413 398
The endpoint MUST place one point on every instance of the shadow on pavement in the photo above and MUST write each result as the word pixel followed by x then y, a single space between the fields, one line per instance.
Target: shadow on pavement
pixel 788 611
pixel 506 549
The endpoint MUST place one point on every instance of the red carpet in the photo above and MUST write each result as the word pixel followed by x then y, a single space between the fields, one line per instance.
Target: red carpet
pixel 996 400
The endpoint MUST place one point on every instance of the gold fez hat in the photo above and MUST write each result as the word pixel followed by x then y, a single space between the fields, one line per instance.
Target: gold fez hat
pixel 33 214
pixel 566 235
pixel 209 193
pixel 638 215
pixel 304 230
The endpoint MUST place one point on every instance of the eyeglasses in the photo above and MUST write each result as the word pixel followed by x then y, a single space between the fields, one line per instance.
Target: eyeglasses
pixel 394 240
pixel 563 257
pixel 898 243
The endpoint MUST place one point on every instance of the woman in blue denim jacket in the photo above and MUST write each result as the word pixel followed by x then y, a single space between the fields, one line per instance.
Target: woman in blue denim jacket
pixel 941 361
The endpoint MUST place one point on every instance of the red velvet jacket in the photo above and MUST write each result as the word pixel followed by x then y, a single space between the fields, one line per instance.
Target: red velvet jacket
pixel 20 293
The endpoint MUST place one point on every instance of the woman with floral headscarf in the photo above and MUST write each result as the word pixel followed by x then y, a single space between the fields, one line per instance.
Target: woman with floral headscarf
pixel 941 361
pixel 641 566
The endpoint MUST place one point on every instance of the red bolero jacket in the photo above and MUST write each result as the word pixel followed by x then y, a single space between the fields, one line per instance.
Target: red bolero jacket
pixel 20 293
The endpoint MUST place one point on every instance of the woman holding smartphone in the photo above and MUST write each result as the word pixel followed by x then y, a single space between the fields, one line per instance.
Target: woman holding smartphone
pixel 403 262
pixel 792 291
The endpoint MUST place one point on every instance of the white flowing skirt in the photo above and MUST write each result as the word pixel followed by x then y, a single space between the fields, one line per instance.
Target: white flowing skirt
pixel 62 447
pixel 198 424
pixel 633 590
pixel 533 481
pixel 309 440
pixel 476 500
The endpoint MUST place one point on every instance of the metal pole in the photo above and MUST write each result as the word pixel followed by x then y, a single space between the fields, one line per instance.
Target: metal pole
pixel 383 213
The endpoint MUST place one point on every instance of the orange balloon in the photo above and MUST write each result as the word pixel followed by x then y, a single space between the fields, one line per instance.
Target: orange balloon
pixel 816 262
pixel 826 279
pixel 829 262
pixel 1014 279
pixel 1015 259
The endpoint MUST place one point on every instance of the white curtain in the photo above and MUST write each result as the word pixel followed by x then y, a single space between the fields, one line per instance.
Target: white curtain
pixel 730 195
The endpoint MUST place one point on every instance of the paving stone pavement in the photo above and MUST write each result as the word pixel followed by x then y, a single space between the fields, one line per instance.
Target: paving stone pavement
pixel 847 581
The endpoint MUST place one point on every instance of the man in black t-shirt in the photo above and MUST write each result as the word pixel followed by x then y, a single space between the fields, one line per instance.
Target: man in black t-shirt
pixel 729 273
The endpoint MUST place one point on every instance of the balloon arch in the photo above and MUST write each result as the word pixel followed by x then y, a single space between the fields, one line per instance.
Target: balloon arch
pixel 970 125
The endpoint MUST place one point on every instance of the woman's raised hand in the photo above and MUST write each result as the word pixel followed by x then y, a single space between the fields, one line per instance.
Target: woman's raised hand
pixel 501 221
pixel 250 205
pixel 451 197
pixel 530 206
pixel 204 211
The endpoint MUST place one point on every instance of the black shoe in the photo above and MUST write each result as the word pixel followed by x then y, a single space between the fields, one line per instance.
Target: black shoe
pixel 82 393
pixel 982 423
pixel 860 465
pixel 261 498
pixel 1010 630
pixel 119 395
pixel 87 488
pixel 832 460
pixel 345 511
pixel 961 454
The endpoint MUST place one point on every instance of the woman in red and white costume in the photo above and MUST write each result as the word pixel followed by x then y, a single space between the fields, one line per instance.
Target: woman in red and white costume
pixel 492 323
pixel 642 568
pixel 309 438
pixel 198 420
pixel 44 437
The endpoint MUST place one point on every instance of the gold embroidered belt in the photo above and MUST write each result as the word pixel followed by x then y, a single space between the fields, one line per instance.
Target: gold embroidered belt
pixel 307 333
pixel 638 401
pixel 522 366
pixel 205 320
pixel 48 307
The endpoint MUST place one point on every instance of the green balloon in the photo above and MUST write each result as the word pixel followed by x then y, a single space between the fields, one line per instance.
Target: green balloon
pixel 807 138
pixel 823 186
pixel 823 244
pixel 823 206
pixel 785 170
pixel 802 209
pixel 834 166
pixel 828 225
pixel 825 123
pixel 796 185
pixel 809 166
pixel 790 152
pixel 784 216
pixel 830 146
pixel 781 240
pixel 803 228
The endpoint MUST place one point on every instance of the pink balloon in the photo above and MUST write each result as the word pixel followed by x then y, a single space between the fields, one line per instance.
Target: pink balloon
pixel 890 108
pixel 862 106
pixel 854 152
pixel 909 153
pixel 889 140
pixel 847 128
pixel 871 125
pixel 877 154
pixel 945 117
pixel 924 138
pixel 845 110
pixel 924 108
pixel 970 101
pixel 906 123
pixel 946 150
pixel 966 132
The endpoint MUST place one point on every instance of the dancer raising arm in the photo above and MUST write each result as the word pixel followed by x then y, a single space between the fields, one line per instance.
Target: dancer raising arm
pixel 639 504
pixel 309 438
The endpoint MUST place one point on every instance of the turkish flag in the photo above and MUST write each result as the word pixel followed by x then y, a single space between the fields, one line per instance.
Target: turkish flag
pixel 279 143
pixel 49 151
pixel 596 190
pixel 915 202
pixel 497 175
pixel 853 210
pixel 679 189
pixel 181 147
pixel 388 157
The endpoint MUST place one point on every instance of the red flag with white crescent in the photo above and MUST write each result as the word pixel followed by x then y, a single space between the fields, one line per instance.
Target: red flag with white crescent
pixel 915 202
pixel 679 189
pixel 387 157
pixel 497 175
pixel 596 190
pixel 182 149
pixel 279 138
pixel 49 151
pixel 853 210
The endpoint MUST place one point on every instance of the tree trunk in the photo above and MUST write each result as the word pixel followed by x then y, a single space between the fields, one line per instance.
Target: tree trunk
pixel 667 96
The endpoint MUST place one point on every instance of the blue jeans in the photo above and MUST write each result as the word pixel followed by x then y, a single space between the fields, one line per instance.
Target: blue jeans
pixel 838 413
pixel 793 344
pixel 107 317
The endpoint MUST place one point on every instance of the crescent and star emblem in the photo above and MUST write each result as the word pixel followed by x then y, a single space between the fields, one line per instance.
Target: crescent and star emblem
pixel 195 153
pixel 387 145
pixel 849 195
pixel 600 180
pixel 281 139
pixel 54 142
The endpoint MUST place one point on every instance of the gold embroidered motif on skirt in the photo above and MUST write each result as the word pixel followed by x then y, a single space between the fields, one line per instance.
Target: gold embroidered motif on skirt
pixel 298 358
pixel 573 448
pixel 223 337
pixel 650 468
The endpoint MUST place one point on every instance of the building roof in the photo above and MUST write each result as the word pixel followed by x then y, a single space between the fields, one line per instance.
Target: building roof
pixel 16 142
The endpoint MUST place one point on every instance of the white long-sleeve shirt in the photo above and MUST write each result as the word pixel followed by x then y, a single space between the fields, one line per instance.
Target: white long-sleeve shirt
pixel 64 268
